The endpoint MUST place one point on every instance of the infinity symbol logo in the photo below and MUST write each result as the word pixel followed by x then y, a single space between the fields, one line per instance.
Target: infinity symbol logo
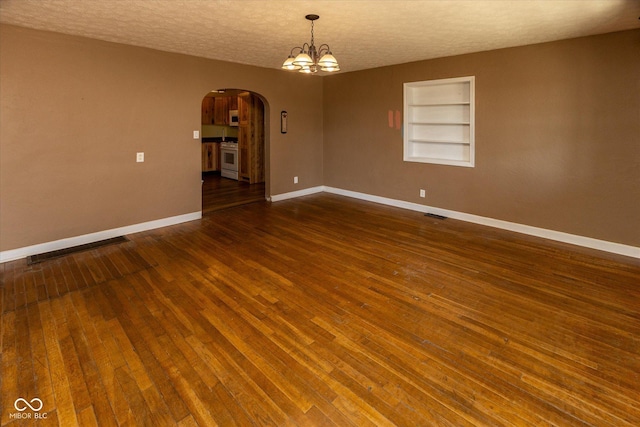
pixel 25 402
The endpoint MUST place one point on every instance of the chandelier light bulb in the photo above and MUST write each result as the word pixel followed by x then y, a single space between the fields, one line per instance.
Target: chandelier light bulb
pixel 328 60
pixel 308 69
pixel 289 65
pixel 330 69
pixel 303 60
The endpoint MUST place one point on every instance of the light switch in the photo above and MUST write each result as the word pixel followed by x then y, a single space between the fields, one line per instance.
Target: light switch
pixel 196 134
pixel 139 157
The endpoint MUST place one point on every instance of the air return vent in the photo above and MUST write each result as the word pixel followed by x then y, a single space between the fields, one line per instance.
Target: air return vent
pixel 432 215
pixel 34 259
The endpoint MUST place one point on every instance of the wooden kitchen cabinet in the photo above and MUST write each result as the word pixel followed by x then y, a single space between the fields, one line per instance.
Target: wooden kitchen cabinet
pixel 244 106
pixel 250 138
pixel 221 110
pixel 244 156
pixel 208 105
pixel 233 103
pixel 215 110
pixel 210 156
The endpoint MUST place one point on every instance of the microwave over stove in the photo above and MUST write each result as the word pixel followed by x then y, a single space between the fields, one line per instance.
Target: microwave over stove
pixel 233 117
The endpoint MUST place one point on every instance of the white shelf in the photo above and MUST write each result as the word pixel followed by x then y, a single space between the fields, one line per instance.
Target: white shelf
pixel 439 121
pixel 439 103
pixel 438 141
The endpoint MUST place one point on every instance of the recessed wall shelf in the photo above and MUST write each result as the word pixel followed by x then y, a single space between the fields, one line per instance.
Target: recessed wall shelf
pixel 439 121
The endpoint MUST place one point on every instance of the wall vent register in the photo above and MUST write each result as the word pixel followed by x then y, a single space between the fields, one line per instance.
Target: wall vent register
pixel 439 125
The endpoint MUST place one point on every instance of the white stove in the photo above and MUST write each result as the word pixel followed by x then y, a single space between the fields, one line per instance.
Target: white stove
pixel 229 160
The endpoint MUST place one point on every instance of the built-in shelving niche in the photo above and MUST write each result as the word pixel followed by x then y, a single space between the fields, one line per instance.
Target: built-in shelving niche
pixel 439 121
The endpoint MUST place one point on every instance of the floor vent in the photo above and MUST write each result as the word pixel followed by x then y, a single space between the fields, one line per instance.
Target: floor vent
pixel 34 259
pixel 432 215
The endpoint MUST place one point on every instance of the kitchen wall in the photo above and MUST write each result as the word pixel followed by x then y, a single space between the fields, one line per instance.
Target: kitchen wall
pixel 75 111
pixel 557 136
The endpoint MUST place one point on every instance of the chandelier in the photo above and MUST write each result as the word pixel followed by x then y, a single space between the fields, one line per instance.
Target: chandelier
pixel 309 59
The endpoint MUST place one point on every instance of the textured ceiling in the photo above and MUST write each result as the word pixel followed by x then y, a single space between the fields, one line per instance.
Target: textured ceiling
pixel 362 34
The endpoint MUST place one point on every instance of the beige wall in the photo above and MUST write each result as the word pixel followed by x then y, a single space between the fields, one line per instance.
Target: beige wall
pixel 557 136
pixel 74 112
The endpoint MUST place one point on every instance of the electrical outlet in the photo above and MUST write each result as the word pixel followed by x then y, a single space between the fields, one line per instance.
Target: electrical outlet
pixel 423 193
pixel 139 157
pixel 295 179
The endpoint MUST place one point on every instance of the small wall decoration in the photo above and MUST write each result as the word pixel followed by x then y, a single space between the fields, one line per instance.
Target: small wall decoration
pixel 283 122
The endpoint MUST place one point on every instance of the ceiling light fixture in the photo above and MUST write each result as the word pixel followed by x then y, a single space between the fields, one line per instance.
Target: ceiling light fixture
pixel 306 61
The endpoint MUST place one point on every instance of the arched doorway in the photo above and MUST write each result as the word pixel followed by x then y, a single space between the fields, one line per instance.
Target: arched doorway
pixel 234 149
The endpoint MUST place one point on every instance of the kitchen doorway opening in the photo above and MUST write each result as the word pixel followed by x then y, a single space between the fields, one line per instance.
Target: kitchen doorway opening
pixel 234 149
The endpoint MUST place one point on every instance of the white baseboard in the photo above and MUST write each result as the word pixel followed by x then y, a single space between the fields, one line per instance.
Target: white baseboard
pixel 299 193
pixel 573 239
pixel 14 254
pixel 588 242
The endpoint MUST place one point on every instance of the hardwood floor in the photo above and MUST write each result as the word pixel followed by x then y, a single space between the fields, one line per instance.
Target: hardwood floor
pixel 222 193
pixel 323 310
